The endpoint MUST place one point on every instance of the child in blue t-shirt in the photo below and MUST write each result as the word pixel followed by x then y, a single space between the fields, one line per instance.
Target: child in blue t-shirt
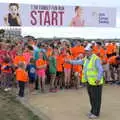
pixel 31 68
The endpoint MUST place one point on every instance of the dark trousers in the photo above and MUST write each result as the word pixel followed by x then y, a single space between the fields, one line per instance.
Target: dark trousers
pixel 95 95
pixel 21 88
pixel 36 84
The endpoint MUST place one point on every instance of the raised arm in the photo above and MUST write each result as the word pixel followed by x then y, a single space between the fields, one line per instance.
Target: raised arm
pixel 76 62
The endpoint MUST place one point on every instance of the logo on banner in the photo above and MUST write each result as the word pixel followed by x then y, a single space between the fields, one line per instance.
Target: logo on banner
pixel 103 18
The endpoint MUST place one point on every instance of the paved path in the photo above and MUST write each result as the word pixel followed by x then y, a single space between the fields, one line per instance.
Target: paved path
pixel 74 104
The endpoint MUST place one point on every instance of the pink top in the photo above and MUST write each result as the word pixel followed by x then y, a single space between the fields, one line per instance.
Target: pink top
pixel 76 21
pixel 3 52
pixel 27 56
pixel 12 53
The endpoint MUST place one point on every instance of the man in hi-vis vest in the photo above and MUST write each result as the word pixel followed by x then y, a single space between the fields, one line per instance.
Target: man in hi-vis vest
pixel 93 76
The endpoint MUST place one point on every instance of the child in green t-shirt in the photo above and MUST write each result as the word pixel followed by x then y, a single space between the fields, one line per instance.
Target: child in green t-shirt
pixel 52 72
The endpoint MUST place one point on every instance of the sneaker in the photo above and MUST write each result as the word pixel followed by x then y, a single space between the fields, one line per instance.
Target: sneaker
pixel 91 116
pixel 89 113
pixel 6 89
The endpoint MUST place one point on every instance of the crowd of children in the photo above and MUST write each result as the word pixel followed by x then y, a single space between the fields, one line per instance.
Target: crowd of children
pixel 40 63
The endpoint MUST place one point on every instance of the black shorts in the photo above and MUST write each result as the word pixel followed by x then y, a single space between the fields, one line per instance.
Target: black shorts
pixel 114 54
pixel 31 81
pixel 109 55
pixel 115 66
pixel 58 74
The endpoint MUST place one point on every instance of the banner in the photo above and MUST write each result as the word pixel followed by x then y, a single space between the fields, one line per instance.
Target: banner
pixel 13 14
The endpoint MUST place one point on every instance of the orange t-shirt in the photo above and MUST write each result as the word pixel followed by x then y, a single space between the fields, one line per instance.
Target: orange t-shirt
pixel 112 60
pixel 40 62
pixel 114 48
pixel 19 59
pixel 72 50
pixel 77 68
pixel 102 52
pixel 21 75
pixel 98 51
pixel 104 59
pixel 80 49
pixel 109 48
pixel 59 63
pixel 27 56
pixel 77 50
pixel 95 49
pixel 67 65
pixel 49 52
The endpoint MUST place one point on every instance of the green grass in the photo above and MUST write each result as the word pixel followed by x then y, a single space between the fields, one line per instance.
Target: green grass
pixel 11 109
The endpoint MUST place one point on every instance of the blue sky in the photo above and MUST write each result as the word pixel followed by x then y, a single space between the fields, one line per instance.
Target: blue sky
pixel 74 32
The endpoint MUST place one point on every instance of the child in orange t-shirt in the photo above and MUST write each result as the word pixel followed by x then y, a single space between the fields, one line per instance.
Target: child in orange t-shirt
pixel 22 78
pixel 77 69
pixel 41 67
pixel 6 74
pixel 59 65
pixel 19 58
pixel 67 69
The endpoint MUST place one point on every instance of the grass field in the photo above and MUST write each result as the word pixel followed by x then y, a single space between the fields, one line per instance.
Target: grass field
pixel 11 109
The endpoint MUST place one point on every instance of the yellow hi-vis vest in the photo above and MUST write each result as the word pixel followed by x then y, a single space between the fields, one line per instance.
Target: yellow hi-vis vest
pixel 91 71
